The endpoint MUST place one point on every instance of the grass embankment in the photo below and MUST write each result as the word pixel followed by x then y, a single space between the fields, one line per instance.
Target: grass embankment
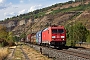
pixel 33 54
pixel 18 55
pixel 3 53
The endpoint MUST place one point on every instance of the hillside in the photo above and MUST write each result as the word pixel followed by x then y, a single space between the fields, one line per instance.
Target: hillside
pixel 59 14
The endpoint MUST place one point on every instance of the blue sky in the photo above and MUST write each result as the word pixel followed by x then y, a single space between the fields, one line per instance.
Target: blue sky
pixel 10 8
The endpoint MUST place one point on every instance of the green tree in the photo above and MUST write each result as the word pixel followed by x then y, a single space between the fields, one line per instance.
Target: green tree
pixel 10 39
pixel 3 35
pixel 80 32
pixel 88 37
pixel 77 33
pixel 10 36
pixel 3 32
pixel 71 35
pixel 16 39
pixel 23 36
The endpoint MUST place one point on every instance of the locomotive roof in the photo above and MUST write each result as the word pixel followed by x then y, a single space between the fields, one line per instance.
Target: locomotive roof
pixel 45 29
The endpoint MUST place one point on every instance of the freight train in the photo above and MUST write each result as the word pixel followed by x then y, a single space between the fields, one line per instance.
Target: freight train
pixel 51 36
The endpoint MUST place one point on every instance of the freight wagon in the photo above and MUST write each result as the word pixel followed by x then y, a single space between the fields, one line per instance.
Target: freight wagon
pixel 39 37
pixel 31 38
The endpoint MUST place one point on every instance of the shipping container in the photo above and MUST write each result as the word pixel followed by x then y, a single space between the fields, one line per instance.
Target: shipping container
pixel 39 37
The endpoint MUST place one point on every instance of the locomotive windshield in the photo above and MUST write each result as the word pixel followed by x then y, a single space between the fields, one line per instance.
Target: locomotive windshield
pixel 60 30
pixel 54 30
pixel 57 30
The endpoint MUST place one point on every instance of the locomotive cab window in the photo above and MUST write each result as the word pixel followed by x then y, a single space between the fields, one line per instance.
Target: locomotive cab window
pixel 54 30
pixel 60 31
pixel 57 31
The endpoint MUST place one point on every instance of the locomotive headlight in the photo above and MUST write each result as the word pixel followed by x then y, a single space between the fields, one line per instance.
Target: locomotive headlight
pixel 53 37
pixel 63 39
pixel 62 36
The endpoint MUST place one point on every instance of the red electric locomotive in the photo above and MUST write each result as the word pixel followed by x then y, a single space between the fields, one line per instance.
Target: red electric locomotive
pixel 54 36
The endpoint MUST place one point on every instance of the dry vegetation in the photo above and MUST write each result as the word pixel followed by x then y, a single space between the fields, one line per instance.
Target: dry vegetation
pixel 34 55
pixel 83 45
pixel 3 53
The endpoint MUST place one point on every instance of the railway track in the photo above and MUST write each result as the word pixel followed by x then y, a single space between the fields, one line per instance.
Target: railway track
pixel 66 54
pixel 84 51
pixel 77 53
pixel 24 52
pixel 25 55
pixel 12 50
pixel 17 53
